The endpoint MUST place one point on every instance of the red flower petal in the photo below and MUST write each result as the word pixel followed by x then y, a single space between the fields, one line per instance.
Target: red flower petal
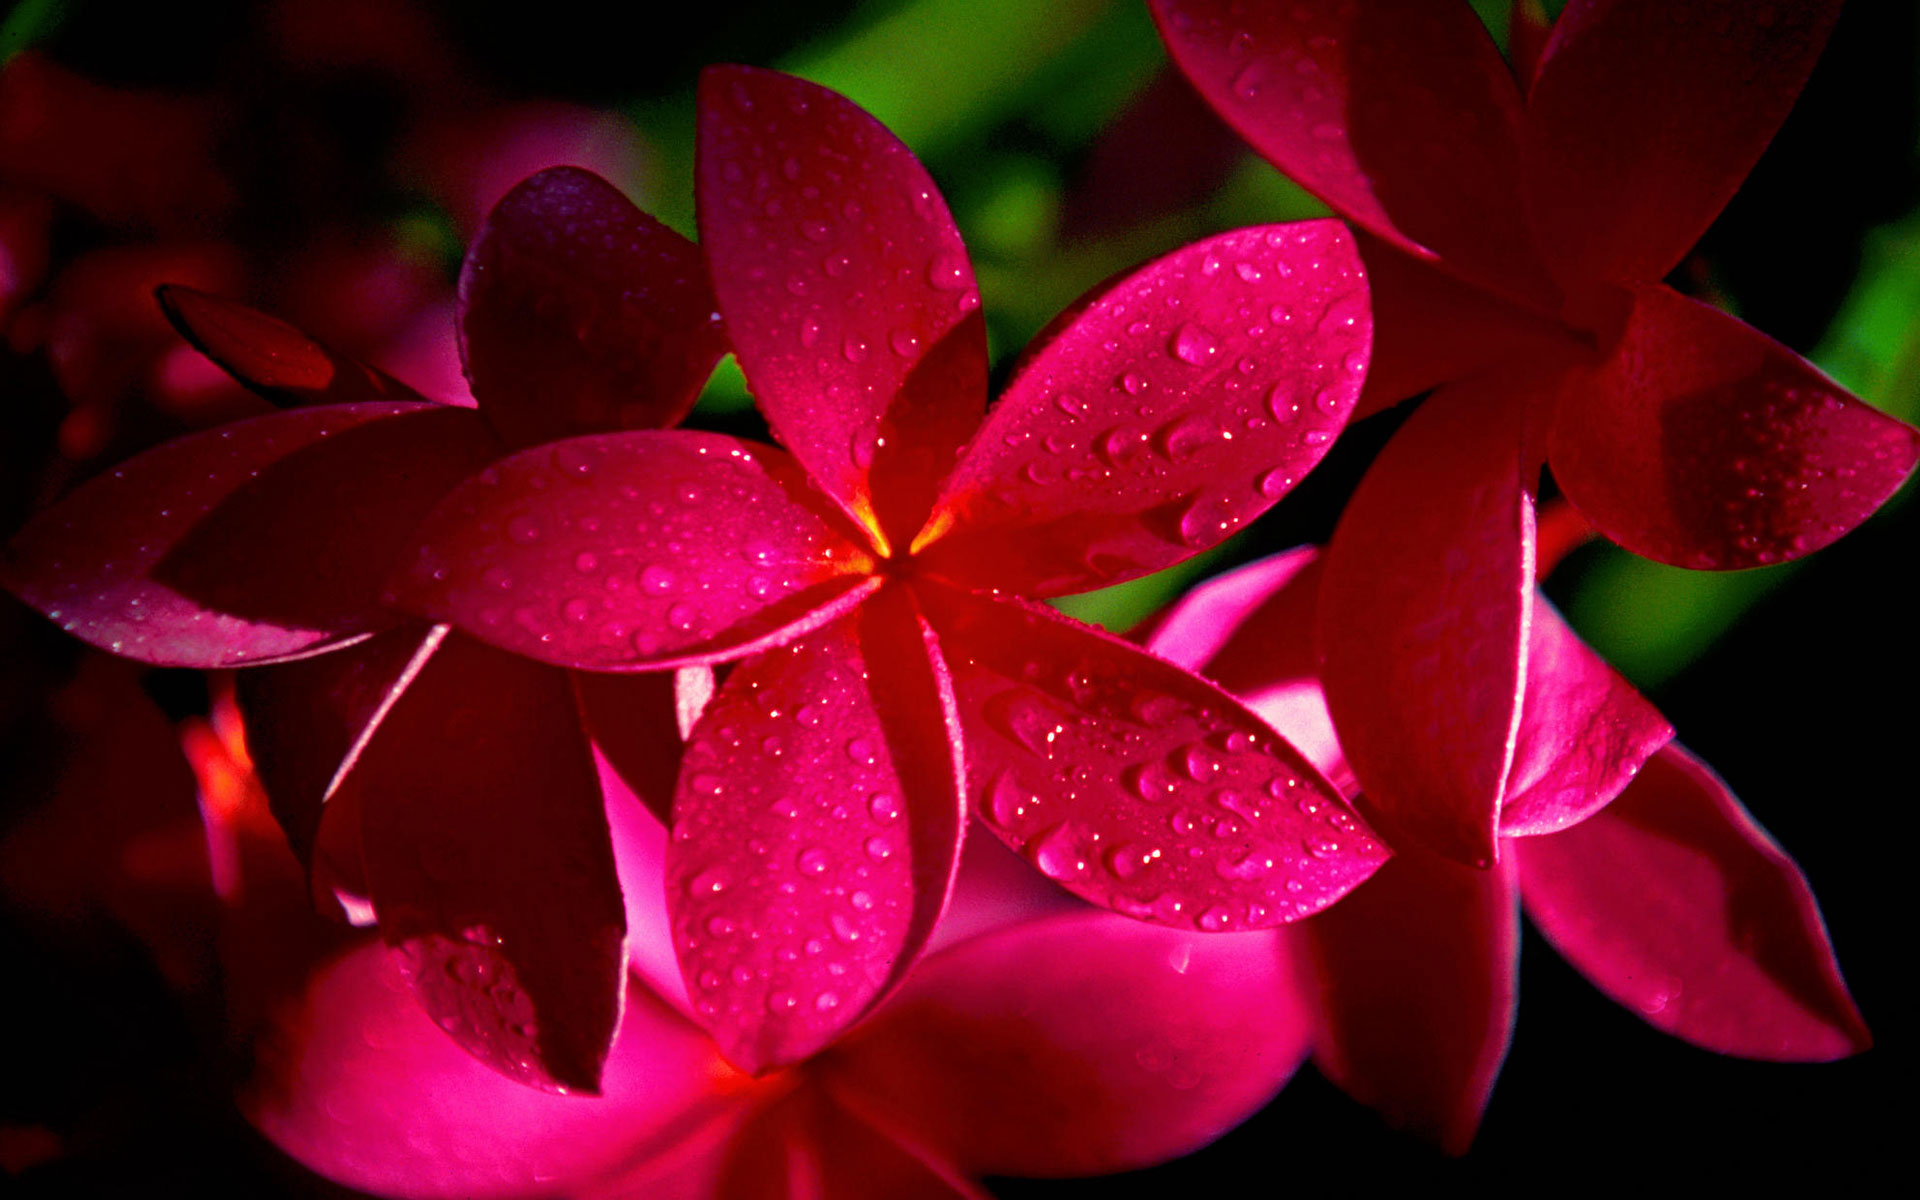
pixel 1676 904
pixel 1174 407
pixel 264 539
pixel 1136 784
pixel 816 833
pixel 1401 114
pixel 1703 443
pixel 1584 732
pixel 581 314
pixel 1418 976
pixel 633 721
pixel 846 289
pixel 636 550
pixel 1645 116
pixel 1079 1044
pixel 806 1144
pixel 487 850
pixel 1424 612
pixel 272 357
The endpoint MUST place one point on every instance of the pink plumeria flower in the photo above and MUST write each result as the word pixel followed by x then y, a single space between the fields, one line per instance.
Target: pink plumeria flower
pixel 1626 851
pixel 401 758
pixel 1516 236
pixel 888 684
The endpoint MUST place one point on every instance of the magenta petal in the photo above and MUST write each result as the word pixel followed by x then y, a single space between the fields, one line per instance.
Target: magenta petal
pixel 1172 409
pixel 816 833
pixel 261 540
pixel 805 1145
pixel 1584 732
pixel 354 1081
pixel 272 357
pixel 633 721
pixel 581 314
pixel 1703 443
pixel 1645 116
pixel 487 850
pixel 1424 610
pixel 1418 975
pixel 1400 114
pixel 846 290
pixel 1676 904
pixel 1136 784
pixel 1080 1044
pixel 636 550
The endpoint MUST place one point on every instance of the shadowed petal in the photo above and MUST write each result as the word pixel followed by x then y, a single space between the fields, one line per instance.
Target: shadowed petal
pixel 1584 732
pixel 846 289
pixel 1424 611
pixel 581 314
pixel 1400 114
pixel 1136 784
pixel 807 1145
pixel 272 357
pixel 1418 976
pixel 1676 904
pixel 1645 116
pixel 1175 406
pixel 486 846
pixel 816 833
pixel 1703 443
pixel 633 721
pixel 264 539
pixel 635 550
pixel 1079 1044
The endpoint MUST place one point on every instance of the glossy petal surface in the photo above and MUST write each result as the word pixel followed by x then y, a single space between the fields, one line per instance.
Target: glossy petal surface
pixel 272 357
pixel 1703 443
pixel 1424 612
pixel 581 314
pixel 1080 1044
pixel 487 850
pixel 1176 406
pixel 1646 115
pixel 1136 784
pixel 261 540
pixel 635 550
pixel 1418 975
pixel 846 289
pixel 1584 732
pixel 1400 114
pixel 1676 904
pixel 816 833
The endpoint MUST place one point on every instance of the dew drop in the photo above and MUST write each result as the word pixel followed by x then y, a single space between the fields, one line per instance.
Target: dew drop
pixel 1056 853
pixel 657 580
pixel 1194 345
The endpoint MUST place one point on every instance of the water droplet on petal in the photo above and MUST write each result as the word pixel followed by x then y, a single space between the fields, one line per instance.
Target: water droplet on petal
pixel 1194 345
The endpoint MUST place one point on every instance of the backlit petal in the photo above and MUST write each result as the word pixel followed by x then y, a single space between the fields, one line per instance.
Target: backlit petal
pixel 272 357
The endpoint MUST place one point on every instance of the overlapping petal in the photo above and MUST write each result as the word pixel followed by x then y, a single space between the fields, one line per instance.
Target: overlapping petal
pixel 1703 443
pixel 1644 117
pixel 636 551
pixel 1676 904
pixel 1170 410
pixel 272 357
pixel 266 539
pixel 1136 784
pixel 580 314
pixel 816 832
pixel 847 291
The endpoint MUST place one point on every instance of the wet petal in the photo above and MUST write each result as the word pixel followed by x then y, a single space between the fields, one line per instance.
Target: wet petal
pixel 581 314
pixel 816 833
pixel 264 539
pixel 272 357
pixel 1424 611
pixel 1174 407
pixel 1703 443
pixel 846 289
pixel 635 551
pixel 1135 784
pixel 1418 980
pixel 1676 904
pixel 1584 732
pixel 1400 114
pixel 487 850
pixel 1644 118
pixel 1080 1044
